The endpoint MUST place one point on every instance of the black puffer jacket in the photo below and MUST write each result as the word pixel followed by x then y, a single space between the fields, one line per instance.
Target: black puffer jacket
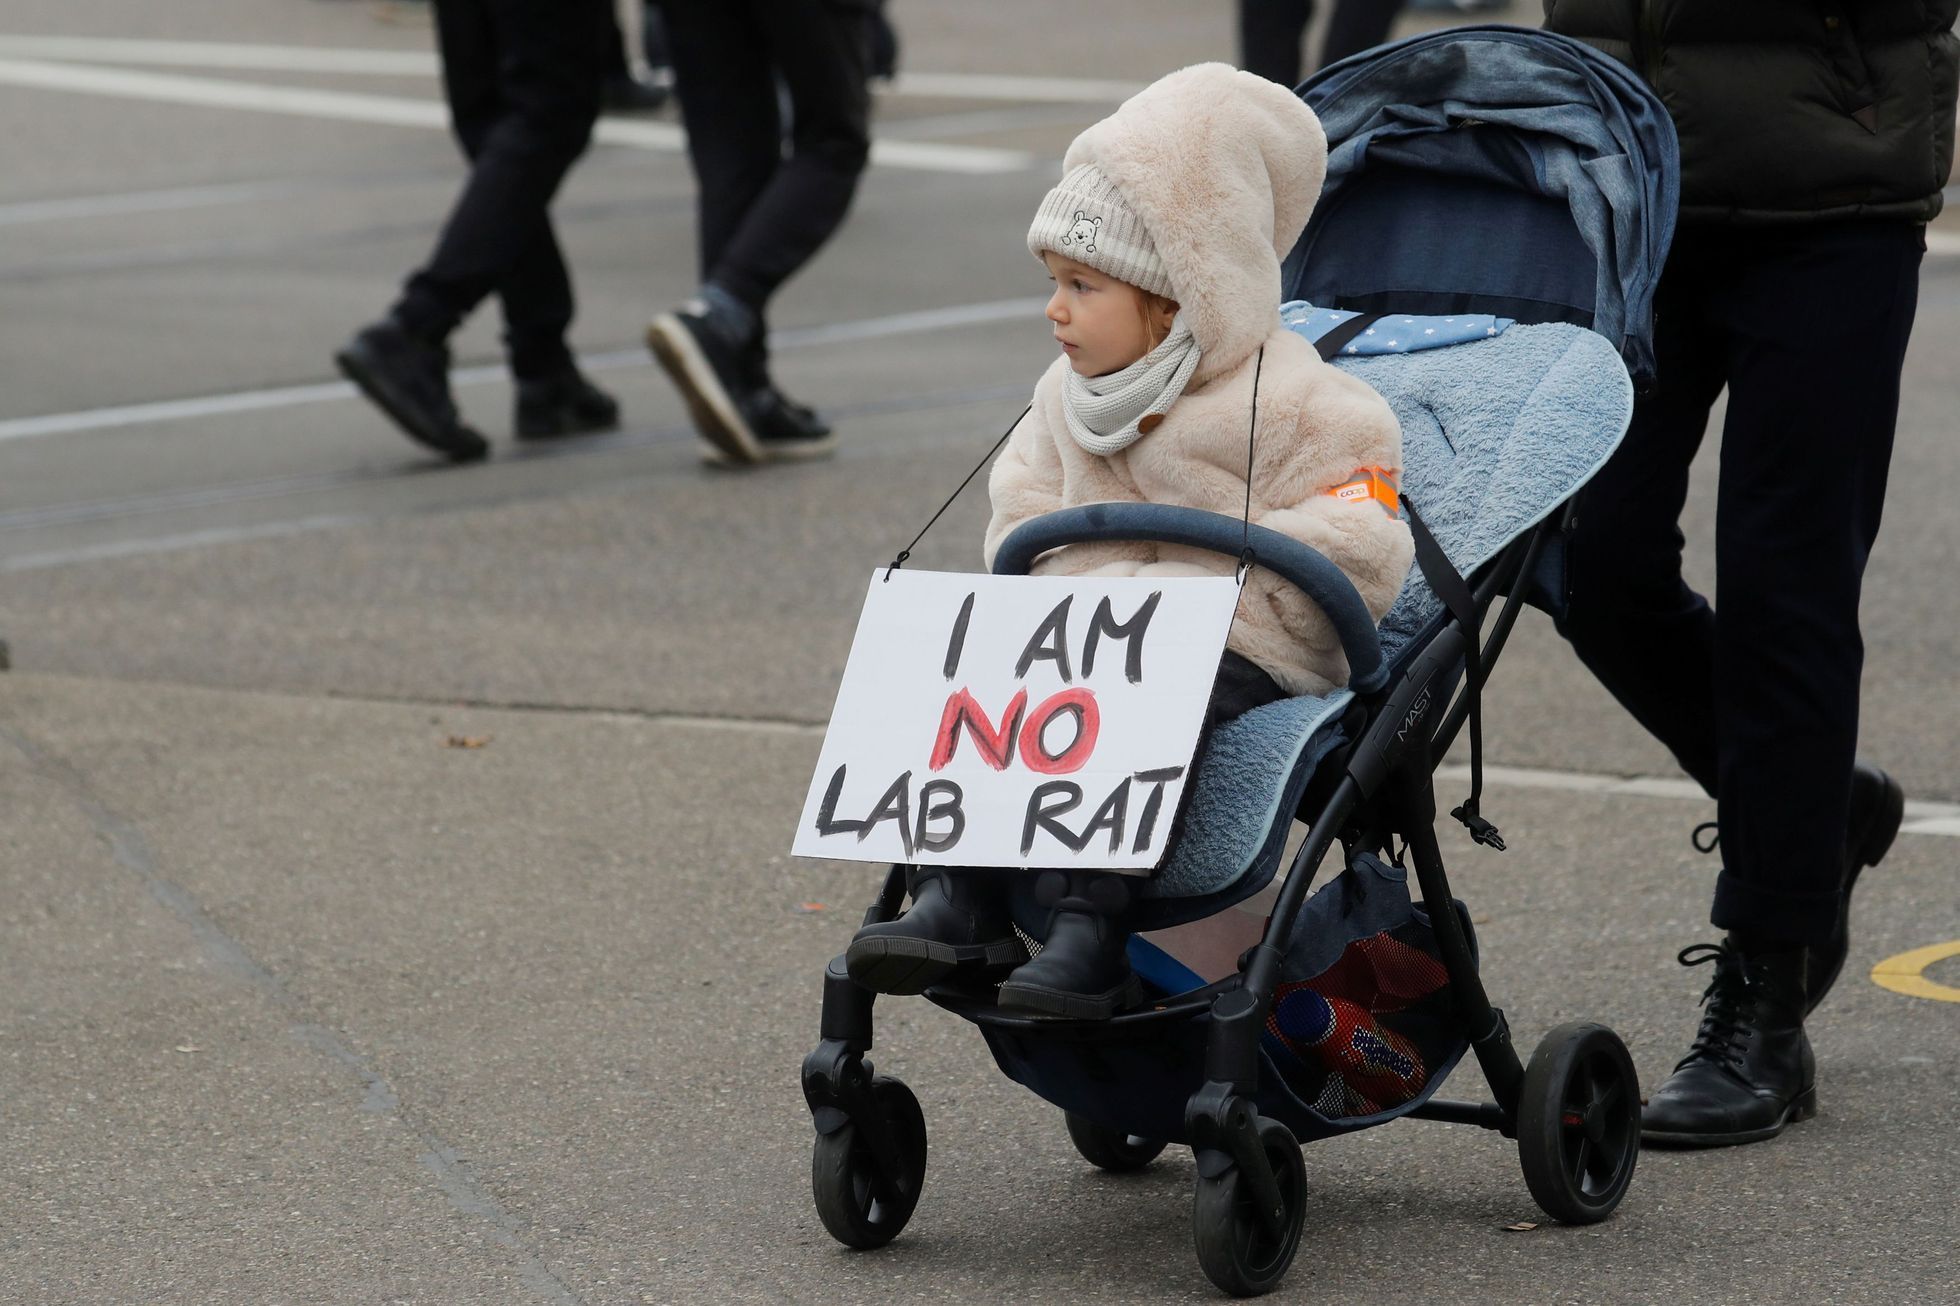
pixel 1793 110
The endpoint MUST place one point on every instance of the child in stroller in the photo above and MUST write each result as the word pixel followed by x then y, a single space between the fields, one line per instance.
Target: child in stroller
pixel 1163 241
pixel 1528 181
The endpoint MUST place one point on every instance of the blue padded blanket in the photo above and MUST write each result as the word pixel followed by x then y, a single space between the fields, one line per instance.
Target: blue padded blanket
pixel 1495 434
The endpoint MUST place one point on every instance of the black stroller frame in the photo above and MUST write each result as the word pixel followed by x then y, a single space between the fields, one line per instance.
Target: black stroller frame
pixel 1573 1109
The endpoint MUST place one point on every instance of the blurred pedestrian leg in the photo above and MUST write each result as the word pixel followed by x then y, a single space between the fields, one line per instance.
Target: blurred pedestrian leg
pixel 764 210
pixel 1271 33
pixel 629 88
pixel 1357 25
pixel 523 85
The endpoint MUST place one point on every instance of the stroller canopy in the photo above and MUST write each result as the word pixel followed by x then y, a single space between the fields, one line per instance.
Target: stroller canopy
pixel 1492 170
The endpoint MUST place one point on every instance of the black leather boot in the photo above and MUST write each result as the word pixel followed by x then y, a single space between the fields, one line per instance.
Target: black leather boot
pixel 1750 1071
pixel 1878 807
pixel 1083 971
pixel 957 919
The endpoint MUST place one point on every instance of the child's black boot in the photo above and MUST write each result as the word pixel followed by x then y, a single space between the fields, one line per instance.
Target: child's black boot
pixel 1083 971
pixel 957 919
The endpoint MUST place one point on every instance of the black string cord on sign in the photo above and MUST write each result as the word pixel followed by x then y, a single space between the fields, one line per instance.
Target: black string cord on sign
pixel 1251 436
pixel 906 552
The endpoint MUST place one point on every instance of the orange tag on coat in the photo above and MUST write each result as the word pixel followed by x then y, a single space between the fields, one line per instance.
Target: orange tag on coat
pixel 1371 483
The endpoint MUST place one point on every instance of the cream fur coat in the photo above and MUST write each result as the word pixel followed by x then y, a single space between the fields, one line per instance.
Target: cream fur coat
pixel 1223 167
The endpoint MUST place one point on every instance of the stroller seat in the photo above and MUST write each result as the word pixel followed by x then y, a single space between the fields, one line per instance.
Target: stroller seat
pixel 1495 434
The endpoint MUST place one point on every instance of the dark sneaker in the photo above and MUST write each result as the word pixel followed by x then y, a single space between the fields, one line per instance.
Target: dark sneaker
pixel 1750 1071
pixel 1878 807
pixel 408 379
pixel 707 367
pixel 566 404
pixel 785 430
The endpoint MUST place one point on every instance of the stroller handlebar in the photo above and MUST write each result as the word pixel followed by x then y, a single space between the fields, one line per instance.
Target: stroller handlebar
pixel 1161 523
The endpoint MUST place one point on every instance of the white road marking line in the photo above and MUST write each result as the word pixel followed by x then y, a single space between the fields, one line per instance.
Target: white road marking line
pixel 245 401
pixel 171 410
pixel 741 725
pixel 142 201
pixel 902 324
pixel 1943 242
pixel 219 94
pixel 404 111
pixel 420 63
pixel 174 543
pixel 224 54
pixel 1922 816
pixel 983 86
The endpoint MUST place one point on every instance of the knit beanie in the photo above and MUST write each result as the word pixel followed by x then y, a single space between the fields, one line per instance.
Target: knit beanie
pixel 1085 219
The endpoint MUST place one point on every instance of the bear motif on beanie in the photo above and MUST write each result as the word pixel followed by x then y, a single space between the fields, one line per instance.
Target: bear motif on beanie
pixel 1085 218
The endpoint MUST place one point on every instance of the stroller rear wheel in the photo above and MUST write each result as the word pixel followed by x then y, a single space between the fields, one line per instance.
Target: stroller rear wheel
pixel 1106 1149
pixel 863 1202
pixel 1579 1123
pixel 1237 1249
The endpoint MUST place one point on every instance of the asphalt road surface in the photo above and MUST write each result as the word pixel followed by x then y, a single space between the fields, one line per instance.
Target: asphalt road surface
pixel 396 904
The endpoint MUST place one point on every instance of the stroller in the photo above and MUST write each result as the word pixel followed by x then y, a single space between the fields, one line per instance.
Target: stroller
pixel 1557 172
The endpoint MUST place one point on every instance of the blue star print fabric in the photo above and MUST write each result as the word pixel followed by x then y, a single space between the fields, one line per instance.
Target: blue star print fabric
pixel 1394 334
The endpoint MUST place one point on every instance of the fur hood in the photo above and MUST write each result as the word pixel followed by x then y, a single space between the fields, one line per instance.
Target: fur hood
pixel 1222 167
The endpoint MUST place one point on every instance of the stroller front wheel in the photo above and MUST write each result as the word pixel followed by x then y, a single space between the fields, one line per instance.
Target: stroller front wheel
pixel 1106 1149
pixel 1579 1123
pixel 1237 1250
pixel 864 1202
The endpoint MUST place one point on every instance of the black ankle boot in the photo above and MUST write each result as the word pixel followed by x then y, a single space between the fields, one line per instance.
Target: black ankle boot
pixel 1878 807
pixel 957 919
pixel 1083 971
pixel 1750 1071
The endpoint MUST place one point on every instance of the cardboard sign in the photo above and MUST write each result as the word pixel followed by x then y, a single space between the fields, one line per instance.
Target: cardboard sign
pixel 1038 721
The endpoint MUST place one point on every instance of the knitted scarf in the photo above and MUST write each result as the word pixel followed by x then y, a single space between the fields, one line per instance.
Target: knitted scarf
pixel 1104 412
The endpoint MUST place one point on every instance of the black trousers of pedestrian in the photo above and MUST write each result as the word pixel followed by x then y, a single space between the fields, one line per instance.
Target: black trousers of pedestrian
pixel 1270 33
pixel 1757 697
pixel 763 214
pixel 523 83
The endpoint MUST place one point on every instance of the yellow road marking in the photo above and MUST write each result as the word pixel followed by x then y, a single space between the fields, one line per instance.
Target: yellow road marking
pixel 1905 973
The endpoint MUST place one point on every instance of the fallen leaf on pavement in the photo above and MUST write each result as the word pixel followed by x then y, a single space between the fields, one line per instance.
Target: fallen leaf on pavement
pixel 1522 1226
pixel 468 741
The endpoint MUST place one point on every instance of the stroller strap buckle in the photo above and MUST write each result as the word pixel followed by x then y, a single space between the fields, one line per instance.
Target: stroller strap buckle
pixel 1481 831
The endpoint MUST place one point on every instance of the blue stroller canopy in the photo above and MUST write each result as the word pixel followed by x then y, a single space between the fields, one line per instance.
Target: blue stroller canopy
pixel 1492 170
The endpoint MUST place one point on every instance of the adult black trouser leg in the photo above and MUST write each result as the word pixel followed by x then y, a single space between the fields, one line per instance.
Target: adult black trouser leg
pixel 1357 25
pixel 1758 697
pixel 1634 621
pixel 1820 323
pixel 764 215
pixel 523 84
pixel 1270 33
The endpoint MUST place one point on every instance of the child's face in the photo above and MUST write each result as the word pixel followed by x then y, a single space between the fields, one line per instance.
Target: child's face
pixel 1102 324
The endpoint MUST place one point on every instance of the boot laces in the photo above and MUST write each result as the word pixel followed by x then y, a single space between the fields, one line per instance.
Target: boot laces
pixel 1726 1005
